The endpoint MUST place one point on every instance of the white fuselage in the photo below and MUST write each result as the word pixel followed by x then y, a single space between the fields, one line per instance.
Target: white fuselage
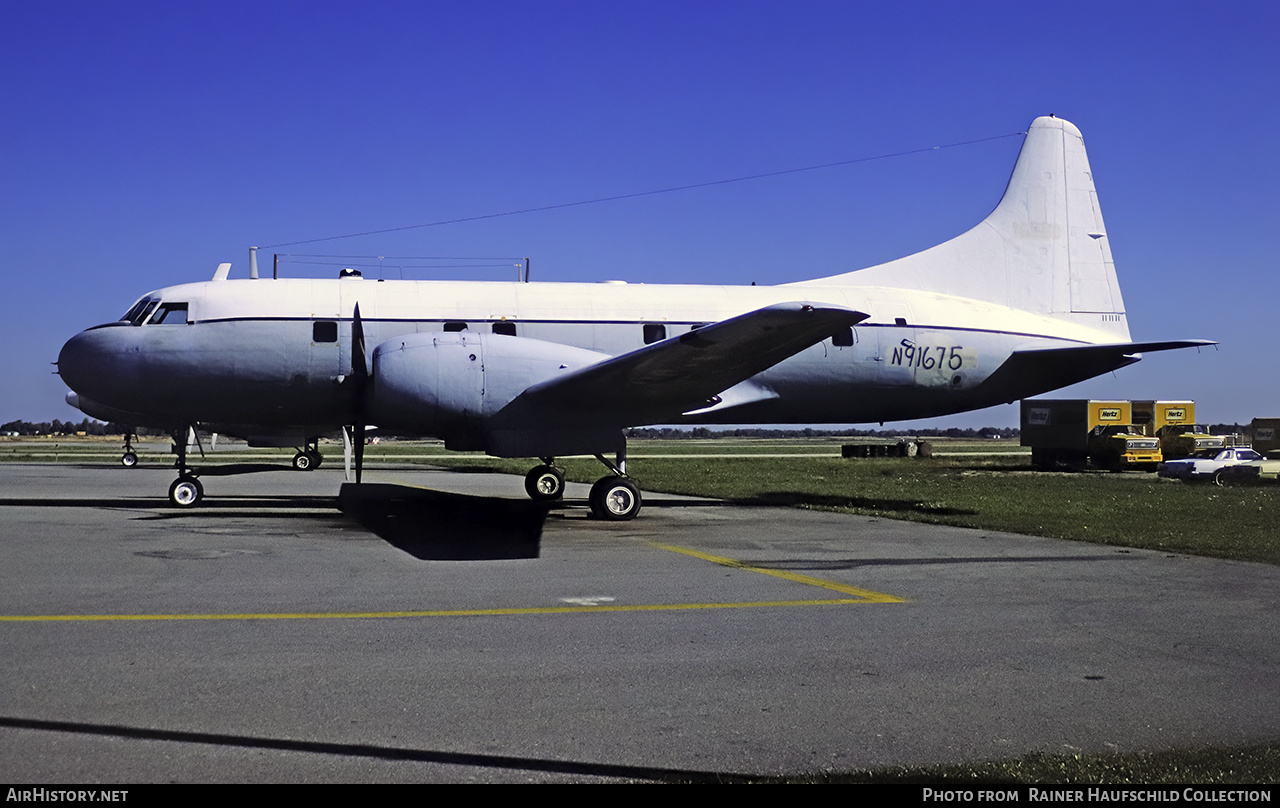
pixel 250 352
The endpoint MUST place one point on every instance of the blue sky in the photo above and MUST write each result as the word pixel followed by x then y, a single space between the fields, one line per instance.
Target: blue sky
pixel 145 142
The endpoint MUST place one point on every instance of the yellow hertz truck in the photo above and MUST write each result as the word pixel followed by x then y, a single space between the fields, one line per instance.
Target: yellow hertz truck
pixel 1174 423
pixel 1076 432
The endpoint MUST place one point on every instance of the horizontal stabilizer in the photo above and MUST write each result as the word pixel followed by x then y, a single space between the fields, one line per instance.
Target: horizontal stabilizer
pixel 686 372
pixel 1033 371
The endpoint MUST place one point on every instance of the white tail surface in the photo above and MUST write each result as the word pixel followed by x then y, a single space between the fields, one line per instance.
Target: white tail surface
pixel 1044 249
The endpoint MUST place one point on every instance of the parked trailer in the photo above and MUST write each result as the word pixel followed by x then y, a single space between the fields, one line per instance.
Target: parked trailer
pixel 1174 423
pixel 1079 432
pixel 1266 434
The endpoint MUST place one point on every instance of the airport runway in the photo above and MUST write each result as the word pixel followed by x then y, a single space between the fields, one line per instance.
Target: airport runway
pixel 471 637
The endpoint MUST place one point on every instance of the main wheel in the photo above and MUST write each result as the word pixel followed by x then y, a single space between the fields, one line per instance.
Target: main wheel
pixel 615 499
pixel 129 460
pixel 316 458
pixel 186 492
pixel 544 483
pixel 303 461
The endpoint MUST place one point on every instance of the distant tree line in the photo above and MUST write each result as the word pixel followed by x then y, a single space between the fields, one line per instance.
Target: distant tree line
pixel 88 426
pixel 701 432
pixel 56 427
pixel 92 427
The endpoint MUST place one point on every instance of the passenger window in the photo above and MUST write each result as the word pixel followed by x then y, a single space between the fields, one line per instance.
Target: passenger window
pixel 843 338
pixel 654 332
pixel 455 326
pixel 505 328
pixel 324 331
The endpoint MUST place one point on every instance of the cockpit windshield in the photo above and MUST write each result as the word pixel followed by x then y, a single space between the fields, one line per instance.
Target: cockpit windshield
pixel 135 315
pixel 169 313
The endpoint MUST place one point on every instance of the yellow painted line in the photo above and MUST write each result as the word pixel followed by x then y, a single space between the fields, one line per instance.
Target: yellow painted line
pixel 660 607
pixel 863 595
pixel 859 596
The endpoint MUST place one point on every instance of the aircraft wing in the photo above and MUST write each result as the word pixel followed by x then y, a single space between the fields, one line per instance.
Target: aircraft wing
pixel 679 374
pixel 1037 370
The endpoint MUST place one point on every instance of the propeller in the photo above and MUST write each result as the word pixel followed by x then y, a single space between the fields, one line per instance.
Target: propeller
pixel 359 385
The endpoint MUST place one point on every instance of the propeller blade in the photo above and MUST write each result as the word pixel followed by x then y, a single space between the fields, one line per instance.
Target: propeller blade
pixel 357 440
pixel 360 378
pixel 359 367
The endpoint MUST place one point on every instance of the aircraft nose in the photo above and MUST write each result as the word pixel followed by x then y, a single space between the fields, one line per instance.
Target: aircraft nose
pixel 85 363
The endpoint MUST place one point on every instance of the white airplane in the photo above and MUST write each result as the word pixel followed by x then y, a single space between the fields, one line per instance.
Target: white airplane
pixel 1024 303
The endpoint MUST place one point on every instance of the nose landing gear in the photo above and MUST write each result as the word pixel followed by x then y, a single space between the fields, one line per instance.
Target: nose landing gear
pixel 308 457
pixel 186 491
pixel 130 458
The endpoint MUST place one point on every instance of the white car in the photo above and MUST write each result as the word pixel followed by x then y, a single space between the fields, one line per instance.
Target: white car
pixel 1206 465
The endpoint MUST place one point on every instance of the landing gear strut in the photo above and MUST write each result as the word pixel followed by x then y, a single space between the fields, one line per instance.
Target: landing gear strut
pixel 130 458
pixel 615 498
pixel 186 491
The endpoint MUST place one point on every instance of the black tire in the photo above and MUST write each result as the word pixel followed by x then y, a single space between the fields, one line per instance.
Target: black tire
pixel 1220 478
pixel 1108 461
pixel 303 461
pixel 129 460
pixel 615 499
pixel 544 483
pixel 316 459
pixel 186 492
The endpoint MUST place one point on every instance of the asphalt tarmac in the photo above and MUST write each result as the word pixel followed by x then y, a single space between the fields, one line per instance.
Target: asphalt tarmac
pixel 444 629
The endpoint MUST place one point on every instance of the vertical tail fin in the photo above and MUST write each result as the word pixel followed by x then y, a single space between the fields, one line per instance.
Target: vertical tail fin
pixel 1044 249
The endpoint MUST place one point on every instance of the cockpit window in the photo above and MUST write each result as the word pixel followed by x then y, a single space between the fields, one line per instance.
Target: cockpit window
pixel 145 312
pixel 170 314
pixel 134 315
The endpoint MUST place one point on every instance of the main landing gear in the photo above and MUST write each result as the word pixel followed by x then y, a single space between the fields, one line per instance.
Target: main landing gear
pixel 545 483
pixel 614 498
pixel 308 457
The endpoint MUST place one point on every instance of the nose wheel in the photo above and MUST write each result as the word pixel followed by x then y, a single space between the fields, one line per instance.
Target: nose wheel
pixel 308 457
pixel 186 492
pixel 130 458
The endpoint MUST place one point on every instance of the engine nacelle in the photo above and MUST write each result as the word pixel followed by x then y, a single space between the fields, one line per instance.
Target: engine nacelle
pixel 447 383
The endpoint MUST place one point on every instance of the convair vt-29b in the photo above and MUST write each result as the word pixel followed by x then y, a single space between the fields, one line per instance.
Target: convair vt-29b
pixel 1024 303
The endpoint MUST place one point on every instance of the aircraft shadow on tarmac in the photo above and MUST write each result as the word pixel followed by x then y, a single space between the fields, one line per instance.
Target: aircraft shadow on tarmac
pixel 381 752
pixel 440 526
